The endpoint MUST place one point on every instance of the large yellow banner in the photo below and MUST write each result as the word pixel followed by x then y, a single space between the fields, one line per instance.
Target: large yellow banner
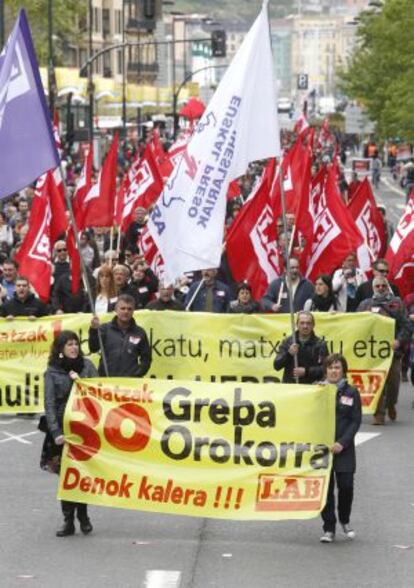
pixel 232 451
pixel 199 346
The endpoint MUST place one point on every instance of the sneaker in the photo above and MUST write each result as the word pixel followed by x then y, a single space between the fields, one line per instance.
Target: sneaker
pixel 350 533
pixel 378 419
pixel 328 537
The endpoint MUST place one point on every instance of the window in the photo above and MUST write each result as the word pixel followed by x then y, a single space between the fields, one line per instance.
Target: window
pixel 118 22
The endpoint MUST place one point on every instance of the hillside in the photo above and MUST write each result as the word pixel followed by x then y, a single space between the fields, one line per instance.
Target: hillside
pixel 234 9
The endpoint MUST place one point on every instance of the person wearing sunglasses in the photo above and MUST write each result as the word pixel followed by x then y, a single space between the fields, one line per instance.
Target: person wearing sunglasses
pixel 384 302
pixel 61 264
pixel 380 268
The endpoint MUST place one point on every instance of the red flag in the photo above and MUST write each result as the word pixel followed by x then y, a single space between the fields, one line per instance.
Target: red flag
pixel 162 158
pixel 234 190
pixel 150 251
pixel 35 256
pixel 296 166
pixel 145 187
pixel 325 136
pixel 370 222
pixel 99 202
pixel 329 229
pixel 400 253
pixel 83 187
pixel 75 262
pixel 251 243
pixel 301 125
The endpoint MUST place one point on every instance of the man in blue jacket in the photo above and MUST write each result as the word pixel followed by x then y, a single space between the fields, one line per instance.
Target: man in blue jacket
pixel 208 295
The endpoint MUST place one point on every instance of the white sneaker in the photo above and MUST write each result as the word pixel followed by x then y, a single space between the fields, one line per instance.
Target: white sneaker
pixel 349 532
pixel 327 537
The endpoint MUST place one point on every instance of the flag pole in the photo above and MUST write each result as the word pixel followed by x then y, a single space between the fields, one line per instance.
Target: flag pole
pixel 83 266
pixel 287 245
pixel 287 255
pixel 197 290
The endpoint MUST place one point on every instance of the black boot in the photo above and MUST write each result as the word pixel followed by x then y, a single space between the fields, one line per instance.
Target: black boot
pixel 84 521
pixel 68 527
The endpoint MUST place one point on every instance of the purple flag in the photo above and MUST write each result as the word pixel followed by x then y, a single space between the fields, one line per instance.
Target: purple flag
pixel 27 146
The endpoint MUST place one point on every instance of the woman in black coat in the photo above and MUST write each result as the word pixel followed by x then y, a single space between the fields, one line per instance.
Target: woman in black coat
pixel 348 421
pixel 66 364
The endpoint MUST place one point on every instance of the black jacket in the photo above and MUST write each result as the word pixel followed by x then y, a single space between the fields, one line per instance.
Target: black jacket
pixel 310 356
pixel 58 385
pixel 128 353
pixel 32 306
pixel 348 420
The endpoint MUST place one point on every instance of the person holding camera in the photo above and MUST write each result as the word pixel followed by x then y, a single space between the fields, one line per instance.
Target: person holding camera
pixel 345 282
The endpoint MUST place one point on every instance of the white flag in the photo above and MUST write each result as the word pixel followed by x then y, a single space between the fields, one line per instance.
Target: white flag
pixel 238 126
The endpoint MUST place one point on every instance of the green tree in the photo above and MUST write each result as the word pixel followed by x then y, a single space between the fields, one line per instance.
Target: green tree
pixel 380 72
pixel 69 18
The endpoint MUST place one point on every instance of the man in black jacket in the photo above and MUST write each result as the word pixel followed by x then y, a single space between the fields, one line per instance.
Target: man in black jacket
pixel 24 302
pixel 126 346
pixel 309 349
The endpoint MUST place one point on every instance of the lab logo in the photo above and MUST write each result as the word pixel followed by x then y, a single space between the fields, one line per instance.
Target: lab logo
pixel 289 493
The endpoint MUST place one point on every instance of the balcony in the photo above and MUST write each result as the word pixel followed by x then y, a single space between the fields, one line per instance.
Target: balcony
pixel 136 25
pixel 135 67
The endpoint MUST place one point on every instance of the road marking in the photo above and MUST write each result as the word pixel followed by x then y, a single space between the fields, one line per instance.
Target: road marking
pixel 8 422
pixel 162 579
pixel 393 188
pixel 363 437
pixel 18 438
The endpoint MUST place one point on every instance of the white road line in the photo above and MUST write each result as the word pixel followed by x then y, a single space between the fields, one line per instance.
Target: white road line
pixel 363 437
pixel 393 188
pixel 162 579
pixel 8 422
pixel 18 438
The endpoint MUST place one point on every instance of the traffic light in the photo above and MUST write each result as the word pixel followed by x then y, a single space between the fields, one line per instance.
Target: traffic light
pixel 218 43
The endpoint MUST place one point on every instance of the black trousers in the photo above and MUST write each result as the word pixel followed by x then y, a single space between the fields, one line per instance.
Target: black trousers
pixel 345 484
pixel 69 509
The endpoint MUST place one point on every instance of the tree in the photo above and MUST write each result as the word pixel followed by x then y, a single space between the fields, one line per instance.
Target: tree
pixel 380 72
pixel 69 18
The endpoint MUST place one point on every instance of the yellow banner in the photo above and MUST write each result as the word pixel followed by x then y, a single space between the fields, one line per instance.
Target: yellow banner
pixel 199 346
pixel 231 451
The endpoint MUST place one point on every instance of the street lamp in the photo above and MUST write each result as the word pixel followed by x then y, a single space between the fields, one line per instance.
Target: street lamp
pixel 1 24
pixel 51 80
pixel 90 71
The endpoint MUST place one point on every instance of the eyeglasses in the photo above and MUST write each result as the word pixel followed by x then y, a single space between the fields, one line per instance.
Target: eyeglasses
pixel 60 250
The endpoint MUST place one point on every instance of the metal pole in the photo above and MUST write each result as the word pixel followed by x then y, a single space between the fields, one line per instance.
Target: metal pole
pixel 287 254
pixel 51 69
pixel 175 121
pixel 1 24
pixel 124 78
pixel 90 73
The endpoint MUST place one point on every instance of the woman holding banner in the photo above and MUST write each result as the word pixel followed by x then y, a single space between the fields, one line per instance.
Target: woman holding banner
pixel 348 421
pixel 66 363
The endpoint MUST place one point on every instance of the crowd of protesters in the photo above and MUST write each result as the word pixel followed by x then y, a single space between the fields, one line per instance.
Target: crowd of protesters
pixel 115 267
pixel 121 281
